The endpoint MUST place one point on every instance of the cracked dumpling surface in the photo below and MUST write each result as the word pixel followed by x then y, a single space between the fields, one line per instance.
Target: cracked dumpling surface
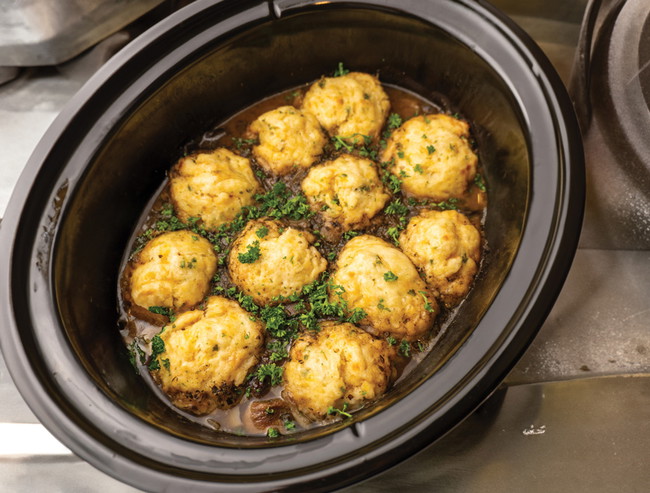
pixel 340 365
pixel 346 191
pixel 432 156
pixel 446 247
pixel 208 354
pixel 288 139
pixel 349 106
pixel 267 260
pixel 212 186
pixel 381 280
pixel 173 270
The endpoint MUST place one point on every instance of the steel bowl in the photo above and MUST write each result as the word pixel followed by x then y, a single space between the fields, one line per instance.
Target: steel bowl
pixel 97 167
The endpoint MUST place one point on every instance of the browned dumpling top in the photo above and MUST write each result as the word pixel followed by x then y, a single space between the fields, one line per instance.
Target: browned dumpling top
pixel 173 270
pixel 208 354
pixel 379 279
pixel 446 246
pixel 432 156
pixel 339 367
pixel 212 187
pixel 349 106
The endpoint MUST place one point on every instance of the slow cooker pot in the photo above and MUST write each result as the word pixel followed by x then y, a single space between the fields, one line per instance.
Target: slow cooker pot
pixel 98 166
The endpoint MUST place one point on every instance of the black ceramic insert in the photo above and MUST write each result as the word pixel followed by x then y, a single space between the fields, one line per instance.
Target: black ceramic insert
pixel 102 160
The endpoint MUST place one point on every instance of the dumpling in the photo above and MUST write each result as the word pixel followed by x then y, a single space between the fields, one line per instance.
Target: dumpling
pixel 378 278
pixel 207 355
pixel 339 367
pixel 173 270
pixel 268 260
pixel 432 157
pixel 446 246
pixel 346 191
pixel 213 187
pixel 349 106
pixel 289 139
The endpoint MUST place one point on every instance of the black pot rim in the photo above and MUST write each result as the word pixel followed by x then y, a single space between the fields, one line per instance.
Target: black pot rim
pixel 544 258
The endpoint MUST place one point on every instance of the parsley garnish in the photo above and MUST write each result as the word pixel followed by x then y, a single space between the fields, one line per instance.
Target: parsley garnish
pixel 271 371
pixel 389 276
pixel 427 306
pixel 394 121
pixel 340 70
pixel 341 412
pixel 431 149
pixel 157 348
pixel 262 232
pixel 251 254
pixel 161 310
pixel 478 181
pixel 405 348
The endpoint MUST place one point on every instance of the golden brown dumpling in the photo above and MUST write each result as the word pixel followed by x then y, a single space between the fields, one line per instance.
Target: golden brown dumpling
pixel 173 270
pixel 346 191
pixel 213 187
pixel 289 139
pixel 267 260
pixel 341 366
pixel 432 156
pixel 447 248
pixel 349 106
pixel 382 281
pixel 208 354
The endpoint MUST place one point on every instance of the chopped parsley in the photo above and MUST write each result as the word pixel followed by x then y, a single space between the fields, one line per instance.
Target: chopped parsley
pixel 262 231
pixel 397 208
pixel 393 234
pixel 161 310
pixel 341 412
pixel 405 348
pixel 389 276
pixel 431 149
pixel 418 169
pixel 478 181
pixel 340 70
pixel 271 371
pixel 394 121
pixel 427 305
pixel 251 254
pixel 157 348
pixel 381 305
pixel 272 433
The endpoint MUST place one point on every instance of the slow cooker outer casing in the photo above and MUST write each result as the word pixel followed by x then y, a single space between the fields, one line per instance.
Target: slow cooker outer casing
pixel 84 188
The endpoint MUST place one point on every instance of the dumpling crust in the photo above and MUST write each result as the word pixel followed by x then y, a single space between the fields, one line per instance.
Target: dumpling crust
pixel 289 139
pixel 446 246
pixel 432 156
pixel 349 106
pixel 381 280
pixel 208 354
pixel 347 191
pixel 213 187
pixel 173 270
pixel 341 365
pixel 267 260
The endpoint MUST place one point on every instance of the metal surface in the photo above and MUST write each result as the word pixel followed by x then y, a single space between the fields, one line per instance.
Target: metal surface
pixel 37 32
pixel 586 434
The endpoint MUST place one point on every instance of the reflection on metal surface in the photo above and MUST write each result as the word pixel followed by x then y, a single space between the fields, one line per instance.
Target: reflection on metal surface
pixel 37 32
pixel 592 436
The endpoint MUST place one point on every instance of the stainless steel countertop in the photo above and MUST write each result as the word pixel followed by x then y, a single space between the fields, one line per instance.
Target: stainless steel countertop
pixel 573 415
